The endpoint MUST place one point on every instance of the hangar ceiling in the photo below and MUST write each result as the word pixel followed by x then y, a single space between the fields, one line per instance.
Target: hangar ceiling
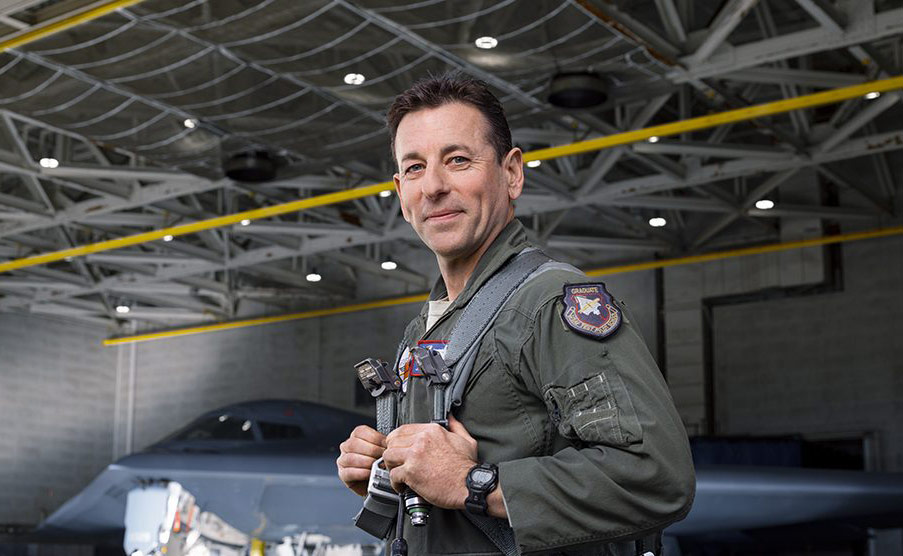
pixel 121 125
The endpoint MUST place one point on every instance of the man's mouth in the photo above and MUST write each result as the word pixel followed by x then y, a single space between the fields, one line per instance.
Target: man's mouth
pixel 441 215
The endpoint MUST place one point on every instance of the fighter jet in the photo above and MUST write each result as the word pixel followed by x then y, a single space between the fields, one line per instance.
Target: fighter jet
pixel 267 469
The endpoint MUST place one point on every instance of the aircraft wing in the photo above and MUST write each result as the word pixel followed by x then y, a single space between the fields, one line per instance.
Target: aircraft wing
pixel 743 498
pixel 268 497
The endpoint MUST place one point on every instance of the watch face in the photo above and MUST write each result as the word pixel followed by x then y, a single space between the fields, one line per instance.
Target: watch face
pixel 481 476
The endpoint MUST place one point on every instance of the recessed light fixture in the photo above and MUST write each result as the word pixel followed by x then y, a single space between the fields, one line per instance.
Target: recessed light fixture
pixel 486 42
pixel 386 193
pixel 388 265
pixel 872 95
pixel 764 204
pixel 534 163
pixel 653 139
pixel 167 238
pixel 313 277
pixel 222 418
pixel 246 426
pixel 123 309
pixel 657 222
pixel 49 162
pixel 245 222
pixel 190 123
pixel 354 79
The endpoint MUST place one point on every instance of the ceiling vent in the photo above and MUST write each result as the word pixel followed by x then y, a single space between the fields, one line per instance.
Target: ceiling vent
pixel 250 166
pixel 577 90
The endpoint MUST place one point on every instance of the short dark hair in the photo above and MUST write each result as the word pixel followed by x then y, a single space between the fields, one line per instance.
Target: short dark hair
pixel 433 92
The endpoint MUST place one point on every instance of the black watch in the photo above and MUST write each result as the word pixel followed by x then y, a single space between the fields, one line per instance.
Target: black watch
pixel 481 480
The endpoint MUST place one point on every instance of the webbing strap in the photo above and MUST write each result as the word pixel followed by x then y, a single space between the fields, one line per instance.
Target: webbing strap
pixel 386 406
pixel 499 532
pixel 483 306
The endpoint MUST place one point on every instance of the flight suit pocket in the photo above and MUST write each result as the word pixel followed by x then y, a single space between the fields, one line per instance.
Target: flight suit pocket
pixel 597 410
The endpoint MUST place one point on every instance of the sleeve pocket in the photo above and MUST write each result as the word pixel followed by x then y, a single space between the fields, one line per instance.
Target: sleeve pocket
pixel 597 410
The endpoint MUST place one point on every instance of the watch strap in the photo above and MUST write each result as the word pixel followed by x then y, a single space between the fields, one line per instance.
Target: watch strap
pixel 477 494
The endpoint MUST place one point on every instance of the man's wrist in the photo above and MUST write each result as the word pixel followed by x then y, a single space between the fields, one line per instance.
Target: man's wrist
pixel 481 482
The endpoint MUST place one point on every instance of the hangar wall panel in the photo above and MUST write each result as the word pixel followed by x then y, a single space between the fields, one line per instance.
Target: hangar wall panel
pixel 56 406
pixel 827 365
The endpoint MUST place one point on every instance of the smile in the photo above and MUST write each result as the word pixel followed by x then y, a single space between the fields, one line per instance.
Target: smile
pixel 443 216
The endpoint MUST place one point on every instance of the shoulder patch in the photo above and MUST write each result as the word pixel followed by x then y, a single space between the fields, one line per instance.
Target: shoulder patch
pixel 590 310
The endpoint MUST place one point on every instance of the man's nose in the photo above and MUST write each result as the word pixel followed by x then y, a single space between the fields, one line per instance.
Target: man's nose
pixel 435 183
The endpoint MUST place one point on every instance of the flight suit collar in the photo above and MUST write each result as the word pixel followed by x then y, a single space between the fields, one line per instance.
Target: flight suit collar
pixel 510 241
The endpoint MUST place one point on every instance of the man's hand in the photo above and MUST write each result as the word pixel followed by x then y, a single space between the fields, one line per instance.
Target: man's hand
pixel 363 447
pixel 432 461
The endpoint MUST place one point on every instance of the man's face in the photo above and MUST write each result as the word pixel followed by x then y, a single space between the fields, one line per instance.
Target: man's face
pixel 451 186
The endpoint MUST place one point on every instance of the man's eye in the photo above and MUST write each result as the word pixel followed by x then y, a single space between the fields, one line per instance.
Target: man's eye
pixel 413 168
pixel 458 160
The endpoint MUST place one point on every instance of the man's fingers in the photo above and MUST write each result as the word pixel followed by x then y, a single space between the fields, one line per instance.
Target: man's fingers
pixel 353 475
pixel 356 445
pixel 369 434
pixel 394 457
pixel 396 477
pixel 457 427
pixel 352 460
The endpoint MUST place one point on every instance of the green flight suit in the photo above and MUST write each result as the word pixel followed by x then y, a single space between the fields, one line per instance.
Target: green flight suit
pixel 574 481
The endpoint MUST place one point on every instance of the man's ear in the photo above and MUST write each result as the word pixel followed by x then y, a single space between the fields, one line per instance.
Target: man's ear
pixel 404 210
pixel 513 167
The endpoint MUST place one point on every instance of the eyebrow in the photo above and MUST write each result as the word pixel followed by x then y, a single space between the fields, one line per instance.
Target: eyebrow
pixel 444 152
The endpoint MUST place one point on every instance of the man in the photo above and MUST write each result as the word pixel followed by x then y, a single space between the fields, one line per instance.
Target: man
pixel 564 403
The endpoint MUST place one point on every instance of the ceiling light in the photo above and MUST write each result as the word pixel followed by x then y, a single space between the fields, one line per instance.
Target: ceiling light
pixel 354 79
pixel 123 309
pixel 386 193
pixel 222 418
pixel 764 204
pixel 653 139
pixel 167 238
pixel 486 42
pixel 657 222
pixel 189 123
pixel 246 426
pixel 388 265
pixel 872 95
pixel 254 166
pixel 534 163
pixel 49 163
pixel 245 222
pixel 313 277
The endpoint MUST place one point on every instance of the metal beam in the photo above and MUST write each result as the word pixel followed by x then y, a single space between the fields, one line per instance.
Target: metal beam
pixel 139 257
pixel 297 229
pixel 706 149
pixel 725 22
pixel 792 45
pixel 824 13
pixel 611 190
pixel 671 21
pixel 605 243
pixel 372 267
pixel 421 297
pixel 759 192
pixel 56 25
pixel 872 111
pixel 791 76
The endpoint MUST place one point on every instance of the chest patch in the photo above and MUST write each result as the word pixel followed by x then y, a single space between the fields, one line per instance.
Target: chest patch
pixel 407 365
pixel 590 310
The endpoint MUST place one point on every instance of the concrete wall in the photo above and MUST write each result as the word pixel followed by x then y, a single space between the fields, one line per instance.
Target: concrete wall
pixel 830 366
pixel 56 409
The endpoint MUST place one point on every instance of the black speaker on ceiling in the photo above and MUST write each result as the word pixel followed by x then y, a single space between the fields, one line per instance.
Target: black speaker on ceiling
pixel 577 90
pixel 250 166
